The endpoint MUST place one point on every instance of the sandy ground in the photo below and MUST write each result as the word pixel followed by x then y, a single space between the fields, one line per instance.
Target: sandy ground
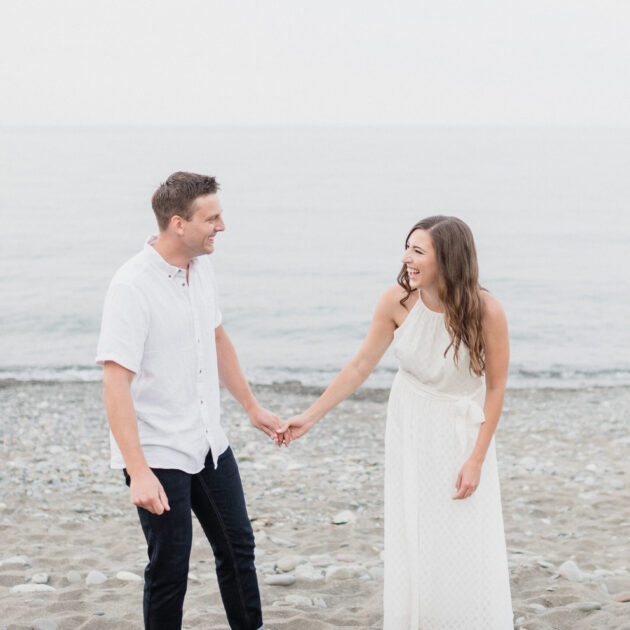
pixel 66 520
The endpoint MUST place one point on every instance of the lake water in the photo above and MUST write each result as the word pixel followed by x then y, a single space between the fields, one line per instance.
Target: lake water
pixel 316 220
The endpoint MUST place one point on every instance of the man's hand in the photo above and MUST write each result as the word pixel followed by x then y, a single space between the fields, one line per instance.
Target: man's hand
pixel 296 427
pixel 268 423
pixel 147 492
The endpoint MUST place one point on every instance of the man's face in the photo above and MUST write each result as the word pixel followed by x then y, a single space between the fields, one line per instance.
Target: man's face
pixel 206 221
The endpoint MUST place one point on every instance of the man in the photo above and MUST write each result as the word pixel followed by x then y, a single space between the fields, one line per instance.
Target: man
pixel 164 352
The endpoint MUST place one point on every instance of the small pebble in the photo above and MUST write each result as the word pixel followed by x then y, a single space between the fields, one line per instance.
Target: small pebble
pixel 283 579
pixel 345 557
pixel 344 572
pixel 617 484
pixel 341 518
pixel 40 578
pixel 20 561
pixel 44 624
pixel 376 573
pixel 74 577
pixel 298 600
pixel 32 588
pixel 288 563
pixel 53 530
pixel 127 576
pixel 539 608
pixel 321 560
pixel 570 571
pixel 586 606
pixel 307 573
pixel 94 578
pixel 528 463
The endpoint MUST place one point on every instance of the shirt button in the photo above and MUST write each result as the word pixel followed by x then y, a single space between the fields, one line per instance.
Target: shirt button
pixel 183 284
pixel 169 275
pixel 200 371
pixel 202 402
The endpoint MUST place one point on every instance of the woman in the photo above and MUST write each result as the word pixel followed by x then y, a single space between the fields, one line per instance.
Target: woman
pixel 445 557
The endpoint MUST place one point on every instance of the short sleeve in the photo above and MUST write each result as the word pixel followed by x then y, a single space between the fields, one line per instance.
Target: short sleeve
pixel 124 327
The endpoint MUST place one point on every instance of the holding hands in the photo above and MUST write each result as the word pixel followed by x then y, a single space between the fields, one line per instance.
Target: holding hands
pixel 281 433
pixel 296 427
pixel 268 423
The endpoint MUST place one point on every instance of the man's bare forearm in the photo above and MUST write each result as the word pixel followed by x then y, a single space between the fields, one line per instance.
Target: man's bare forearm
pixel 122 416
pixel 230 374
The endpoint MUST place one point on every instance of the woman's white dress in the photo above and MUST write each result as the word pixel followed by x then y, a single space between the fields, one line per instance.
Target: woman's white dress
pixel 445 560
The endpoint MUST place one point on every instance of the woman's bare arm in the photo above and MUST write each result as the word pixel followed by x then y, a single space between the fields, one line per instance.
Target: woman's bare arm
pixel 378 339
pixel 497 355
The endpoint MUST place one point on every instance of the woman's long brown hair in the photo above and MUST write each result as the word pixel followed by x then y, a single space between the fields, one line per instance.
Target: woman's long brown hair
pixel 458 285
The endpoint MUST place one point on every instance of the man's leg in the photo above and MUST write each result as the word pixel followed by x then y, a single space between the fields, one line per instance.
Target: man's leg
pixel 218 502
pixel 169 539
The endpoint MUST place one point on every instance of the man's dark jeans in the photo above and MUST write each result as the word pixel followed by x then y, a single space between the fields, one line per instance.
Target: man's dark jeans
pixel 216 498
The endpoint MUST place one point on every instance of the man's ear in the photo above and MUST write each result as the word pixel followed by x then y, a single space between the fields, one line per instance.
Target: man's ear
pixel 177 224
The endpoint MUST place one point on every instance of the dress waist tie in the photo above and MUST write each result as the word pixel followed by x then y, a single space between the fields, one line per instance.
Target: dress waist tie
pixel 468 416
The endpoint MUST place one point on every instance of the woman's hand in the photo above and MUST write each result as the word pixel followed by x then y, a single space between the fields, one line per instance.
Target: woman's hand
pixel 268 423
pixel 296 427
pixel 468 479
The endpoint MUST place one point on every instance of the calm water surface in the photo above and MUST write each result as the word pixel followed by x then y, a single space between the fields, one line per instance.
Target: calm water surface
pixel 316 220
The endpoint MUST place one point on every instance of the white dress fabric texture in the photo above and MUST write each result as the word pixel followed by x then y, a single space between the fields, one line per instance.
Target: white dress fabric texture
pixel 445 560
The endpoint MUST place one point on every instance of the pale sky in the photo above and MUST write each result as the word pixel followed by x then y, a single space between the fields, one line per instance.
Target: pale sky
pixel 318 62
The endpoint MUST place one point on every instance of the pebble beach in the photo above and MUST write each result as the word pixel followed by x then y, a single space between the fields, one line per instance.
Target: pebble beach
pixel 72 553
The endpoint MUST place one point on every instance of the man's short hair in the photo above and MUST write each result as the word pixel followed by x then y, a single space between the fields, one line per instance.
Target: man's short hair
pixel 177 194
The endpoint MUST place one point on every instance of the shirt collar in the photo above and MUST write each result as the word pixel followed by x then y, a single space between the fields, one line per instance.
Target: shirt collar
pixel 170 270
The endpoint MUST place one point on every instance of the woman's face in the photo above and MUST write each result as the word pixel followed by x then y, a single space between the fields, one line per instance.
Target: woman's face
pixel 420 260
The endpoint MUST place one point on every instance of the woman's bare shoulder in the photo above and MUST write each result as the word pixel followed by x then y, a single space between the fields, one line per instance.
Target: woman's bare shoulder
pixel 392 296
pixel 389 305
pixel 492 310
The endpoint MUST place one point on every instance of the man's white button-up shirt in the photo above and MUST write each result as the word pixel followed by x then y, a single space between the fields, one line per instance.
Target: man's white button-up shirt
pixel 161 327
